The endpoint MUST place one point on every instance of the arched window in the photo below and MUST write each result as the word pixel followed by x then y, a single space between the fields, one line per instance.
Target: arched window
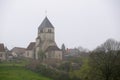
pixel 49 30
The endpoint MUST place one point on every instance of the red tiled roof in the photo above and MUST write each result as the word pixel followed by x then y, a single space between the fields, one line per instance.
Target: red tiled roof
pixel 2 49
pixel 31 46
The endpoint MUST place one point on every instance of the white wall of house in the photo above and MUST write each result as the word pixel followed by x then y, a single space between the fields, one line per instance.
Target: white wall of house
pixel 58 55
pixel 29 54
pixel 54 54
pixel 2 56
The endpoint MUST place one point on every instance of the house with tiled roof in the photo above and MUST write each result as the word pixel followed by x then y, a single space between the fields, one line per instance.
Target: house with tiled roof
pixel 30 53
pixel 2 52
pixel 18 52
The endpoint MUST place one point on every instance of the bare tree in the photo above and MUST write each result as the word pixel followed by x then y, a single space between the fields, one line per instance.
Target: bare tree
pixel 109 45
pixel 105 60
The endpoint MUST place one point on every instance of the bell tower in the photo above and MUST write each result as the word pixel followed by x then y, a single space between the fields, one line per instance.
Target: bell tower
pixel 46 30
pixel 45 41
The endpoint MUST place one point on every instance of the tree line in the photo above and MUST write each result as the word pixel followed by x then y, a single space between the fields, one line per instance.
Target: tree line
pixel 103 63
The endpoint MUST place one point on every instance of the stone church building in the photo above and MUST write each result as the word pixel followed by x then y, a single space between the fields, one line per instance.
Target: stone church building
pixel 45 42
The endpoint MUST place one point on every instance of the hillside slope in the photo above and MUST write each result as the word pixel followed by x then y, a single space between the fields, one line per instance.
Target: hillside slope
pixel 18 73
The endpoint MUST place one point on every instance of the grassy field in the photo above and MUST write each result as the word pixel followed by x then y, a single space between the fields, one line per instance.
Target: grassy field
pixel 16 71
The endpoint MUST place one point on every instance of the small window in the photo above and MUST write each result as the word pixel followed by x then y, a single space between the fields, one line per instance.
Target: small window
pixel 0 55
pixel 49 30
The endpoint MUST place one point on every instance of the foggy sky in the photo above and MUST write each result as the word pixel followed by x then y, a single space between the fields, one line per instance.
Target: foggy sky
pixel 86 23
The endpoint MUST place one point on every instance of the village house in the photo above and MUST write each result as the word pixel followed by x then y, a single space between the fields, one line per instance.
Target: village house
pixel 2 52
pixel 30 53
pixel 18 52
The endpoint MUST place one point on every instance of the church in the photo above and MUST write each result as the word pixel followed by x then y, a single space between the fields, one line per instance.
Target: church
pixel 45 43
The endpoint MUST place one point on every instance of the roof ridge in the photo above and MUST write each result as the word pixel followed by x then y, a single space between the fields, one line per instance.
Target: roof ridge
pixel 45 23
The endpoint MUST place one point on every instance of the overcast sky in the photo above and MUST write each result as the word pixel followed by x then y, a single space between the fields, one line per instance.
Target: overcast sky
pixel 86 23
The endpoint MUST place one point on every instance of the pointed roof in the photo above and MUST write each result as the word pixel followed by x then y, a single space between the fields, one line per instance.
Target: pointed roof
pixel 52 48
pixel 18 50
pixel 45 24
pixel 2 48
pixel 31 46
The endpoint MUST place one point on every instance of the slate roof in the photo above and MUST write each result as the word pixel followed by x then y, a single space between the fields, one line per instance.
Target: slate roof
pixel 2 49
pixel 38 37
pixel 52 48
pixel 45 24
pixel 31 46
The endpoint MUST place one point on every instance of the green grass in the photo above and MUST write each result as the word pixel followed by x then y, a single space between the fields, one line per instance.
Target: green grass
pixel 14 63
pixel 12 71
